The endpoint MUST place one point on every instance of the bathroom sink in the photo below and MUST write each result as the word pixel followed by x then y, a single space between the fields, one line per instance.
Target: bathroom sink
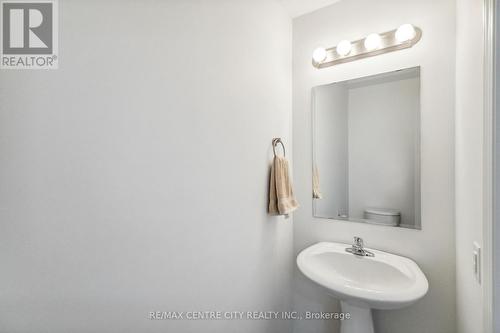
pixel 383 281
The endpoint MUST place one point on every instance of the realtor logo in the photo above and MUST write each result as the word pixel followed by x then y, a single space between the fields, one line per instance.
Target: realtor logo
pixel 29 34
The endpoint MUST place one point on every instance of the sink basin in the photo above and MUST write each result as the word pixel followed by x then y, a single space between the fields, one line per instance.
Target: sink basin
pixel 385 281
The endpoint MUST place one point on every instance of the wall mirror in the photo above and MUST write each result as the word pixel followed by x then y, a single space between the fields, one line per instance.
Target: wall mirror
pixel 366 147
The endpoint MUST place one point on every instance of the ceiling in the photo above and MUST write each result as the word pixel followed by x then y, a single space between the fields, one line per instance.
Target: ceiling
pixel 300 7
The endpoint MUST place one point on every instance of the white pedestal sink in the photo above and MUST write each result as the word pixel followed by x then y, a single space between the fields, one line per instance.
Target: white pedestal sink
pixel 385 281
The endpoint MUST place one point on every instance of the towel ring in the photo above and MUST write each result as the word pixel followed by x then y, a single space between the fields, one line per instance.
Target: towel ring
pixel 275 143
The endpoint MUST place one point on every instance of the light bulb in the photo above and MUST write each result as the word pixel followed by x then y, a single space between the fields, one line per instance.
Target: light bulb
pixel 319 54
pixel 372 42
pixel 344 47
pixel 405 33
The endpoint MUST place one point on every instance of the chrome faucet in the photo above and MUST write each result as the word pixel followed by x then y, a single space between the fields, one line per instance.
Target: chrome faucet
pixel 358 249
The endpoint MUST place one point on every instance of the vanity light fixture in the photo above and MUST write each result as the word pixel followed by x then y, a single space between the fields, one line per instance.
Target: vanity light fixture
pixel 319 55
pixel 404 37
pixel 344 48
pixel 405 32
pixel 372 42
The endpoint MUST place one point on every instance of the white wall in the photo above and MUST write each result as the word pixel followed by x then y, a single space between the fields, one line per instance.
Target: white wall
pixel 134 178
pixel 383 147
pixel 433 248
pixel 496 185
pixel 469 160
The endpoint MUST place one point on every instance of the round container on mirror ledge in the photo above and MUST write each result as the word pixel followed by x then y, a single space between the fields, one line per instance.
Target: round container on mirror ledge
pixel 383 216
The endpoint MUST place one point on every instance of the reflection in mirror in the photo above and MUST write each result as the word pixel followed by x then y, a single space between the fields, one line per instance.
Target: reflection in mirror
pixel 366 144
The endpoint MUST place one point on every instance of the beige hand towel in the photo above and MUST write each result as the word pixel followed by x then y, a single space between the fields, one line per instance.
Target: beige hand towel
pixel 281 198
pixel 316 191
